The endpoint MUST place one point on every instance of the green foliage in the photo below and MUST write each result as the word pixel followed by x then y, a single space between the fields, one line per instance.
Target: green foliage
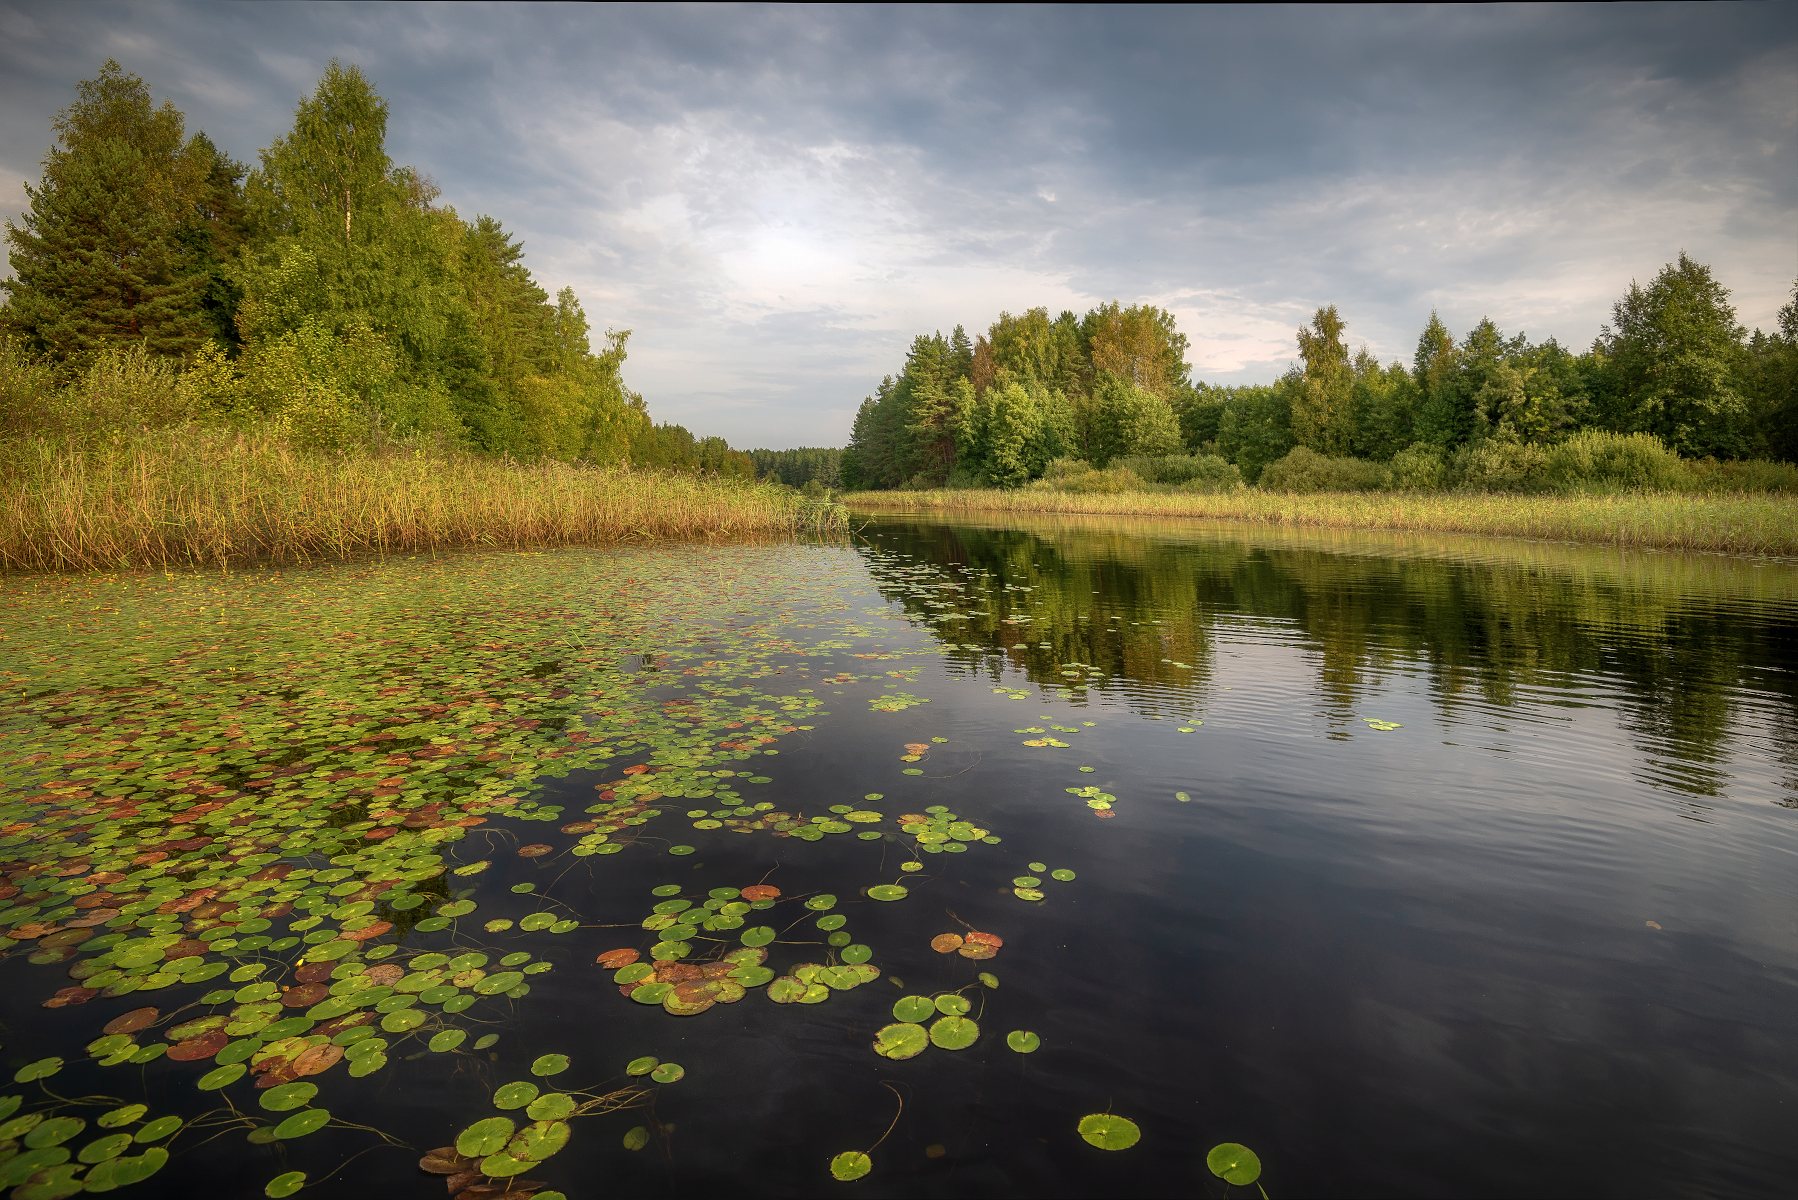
pixel 1255 428
pixel 1013 431
pixel 1305 470
pixel 803 466
pixel 1195 473
pixel 1129 420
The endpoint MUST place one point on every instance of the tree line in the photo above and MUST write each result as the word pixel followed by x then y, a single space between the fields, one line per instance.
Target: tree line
pixel 1674 362
pixel 325 291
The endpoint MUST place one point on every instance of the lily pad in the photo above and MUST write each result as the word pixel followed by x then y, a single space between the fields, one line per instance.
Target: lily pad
pixel 950 1004
pixel 1062 874
pixel 988 979
pixel 1233 1163
pixel 288 1095
pixel 307 1121
pixel 651 993
pixel 642 1066
pixel 218 1077
pixel 1109 1131
pixel 680 849
pixel 668 1073
pixel 1026 881
pixel 1025 893
pixel 285 1185
pixel 514 1095
pixel 857 953
pixel 485 1137
pixel 759 935
pixel 551 1106
pixel 850 1164
pixel 901 1040
pixel 786 990
pixel 1023 1041
pixel 887 891
pixel 636 1138
pixel 156 1130
pixel 914 1009
pixel 449 1039
pixel 954 1033
pixel 550 1064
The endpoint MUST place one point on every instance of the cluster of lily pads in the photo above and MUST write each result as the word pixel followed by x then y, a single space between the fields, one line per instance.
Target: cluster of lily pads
pixel 1097 799
pixel 1025 886
pixel 36 1149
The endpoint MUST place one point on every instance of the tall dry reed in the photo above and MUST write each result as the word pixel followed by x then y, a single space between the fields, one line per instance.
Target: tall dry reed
pixel 206 498
pixel 1740 524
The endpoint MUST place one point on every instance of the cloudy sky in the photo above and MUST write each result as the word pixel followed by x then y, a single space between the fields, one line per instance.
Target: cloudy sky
pixel 776 199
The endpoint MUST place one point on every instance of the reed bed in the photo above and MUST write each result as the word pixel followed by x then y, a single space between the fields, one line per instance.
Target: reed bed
pixel 204 498
pixel 1736 524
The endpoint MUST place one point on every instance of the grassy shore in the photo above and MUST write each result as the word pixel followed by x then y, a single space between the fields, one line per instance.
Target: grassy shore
pixel 210 499
pixel 1742 524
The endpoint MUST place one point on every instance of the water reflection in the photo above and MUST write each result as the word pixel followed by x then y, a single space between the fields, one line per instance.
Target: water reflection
pixel 1697 654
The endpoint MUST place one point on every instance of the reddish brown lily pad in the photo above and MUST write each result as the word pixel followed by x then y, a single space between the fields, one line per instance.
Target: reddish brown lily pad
pixel 366 932
pixel 304 996
pixel 445 1161
pixel 986 939
pixel 580 827
pixel 613 959
pixel 71 995
pixel 946 943
pixel 314 972
pixel 92 917
pixel 977 950
pixel 331 1029
pixel 760 891
pixel 385 975
pixel 204 1046
pixel 537 851
pixel 317 1059
pixel 131 1022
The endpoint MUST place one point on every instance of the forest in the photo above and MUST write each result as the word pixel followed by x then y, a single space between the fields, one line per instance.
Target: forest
pixel 1673 377
pixel 324 294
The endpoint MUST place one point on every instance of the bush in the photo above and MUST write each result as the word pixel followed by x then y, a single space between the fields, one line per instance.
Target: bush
pixel 1505 467
pixel 1082 478
pixel 1418 466
pixel 1596 459
pixel 1194 473
pixel 1748 475
pixel 1305 470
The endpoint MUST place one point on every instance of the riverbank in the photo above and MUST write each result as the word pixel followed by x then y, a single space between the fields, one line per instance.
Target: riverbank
pixel 1734 524
pixel 204 498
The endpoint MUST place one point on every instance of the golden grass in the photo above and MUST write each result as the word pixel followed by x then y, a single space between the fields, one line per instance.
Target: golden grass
pixel 1737 524
pixel 200 498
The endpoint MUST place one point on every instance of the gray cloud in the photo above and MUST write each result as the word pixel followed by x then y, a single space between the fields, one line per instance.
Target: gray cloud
pixel 776 199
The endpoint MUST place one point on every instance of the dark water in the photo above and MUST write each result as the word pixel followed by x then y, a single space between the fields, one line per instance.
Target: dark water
pixel 1541 938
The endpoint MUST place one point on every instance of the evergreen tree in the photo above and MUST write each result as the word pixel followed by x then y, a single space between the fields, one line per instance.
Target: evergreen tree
pixel 1441 416
pixel 1323 390
pixel 108 253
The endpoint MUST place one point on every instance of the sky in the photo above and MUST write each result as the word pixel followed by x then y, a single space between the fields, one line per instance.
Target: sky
pixel 775 200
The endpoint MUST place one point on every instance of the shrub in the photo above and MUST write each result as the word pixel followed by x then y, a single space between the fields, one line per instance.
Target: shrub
pixel 1748 475
pixel 1418 466
pixel 1506 467
pixel 1305 470
pixel 1594 458
pixel 1190 473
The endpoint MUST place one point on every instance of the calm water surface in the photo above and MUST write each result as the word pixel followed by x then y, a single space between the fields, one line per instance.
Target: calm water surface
pixel 1539 935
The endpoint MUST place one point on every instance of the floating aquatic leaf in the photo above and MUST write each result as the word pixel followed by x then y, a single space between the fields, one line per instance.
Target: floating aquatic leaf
pixel 43 1068
pixel 1182 797
pixel 988 979
pixel 455 908
pixel 911 866
pixel 1024 893
pixel 821 903
pixel 1108 1131
pixel 636 1138
pixel 888 891
pixel 1026 881
pixel 680 849
pixel 857 953
pixel 474 868
pixel 668 1073
pixel 634 973
pixel 535 851
pixel 954 1033
pixel 946 943
pixel 760 891
pixel 54 1132
pixel 750 977
pixel 551 1106
pixel 901 1041
pixel 514 1095
pixel 288 1095
pixel 786 990
pixel 122 1116
pixel 156 1130
pixel 285 1185
pixel 1235 1164
pixel 485 1137
pixel 550 1064
pixel 618 958
pixel 832 922
pixel 497 925
pixel 310 1120
pixel 1062 874
pixel 651 993
pixel 131 1022
pixel 642 1066
pixel 1023 1041
pixel 760 935
pixel 449 1039
pixel 850 1164
pixel 952 1004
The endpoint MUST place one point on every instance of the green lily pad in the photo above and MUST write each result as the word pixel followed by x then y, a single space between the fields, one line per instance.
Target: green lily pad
pixel 850 1164
pixel 515 1095
pixel 122 1116
pixel 105 1148
pixel 1235 1164
pixel 1026 881
pixel 449 1039
pixel 832 922
pixel 902 1040
pixel 667 889
pixel 535 921
pixel 284 1096
pixel 1027 893
pixel 43 1068
pixel 550 1064
pixel 680 849
pixel 285 1185
pixel 635 972
pixel 455 908
pixel 306 1121
pixel 786 990
pixel 668 1073
pixel 485 1040
pixel 400 1020
pixel 1108 1131
pixel 551 1106
pixel 218 1077
pixel 1023 1041
pixel 156 1130
pixel 1062 874
pixel 636 1138
pixel 913 1009
pixel 751 977
pixel 888 891
pixel 503 981
pixel 642 1066
pixel 503 1165
pixel 54 1132
pixel 951 1004
pixel 857 953
pixel 651 993
pixel 1038 867
pixel 954 1033
pixel 485 1137
pixel 759 935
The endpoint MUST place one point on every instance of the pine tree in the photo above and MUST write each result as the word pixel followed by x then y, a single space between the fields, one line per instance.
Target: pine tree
pixel 106 254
